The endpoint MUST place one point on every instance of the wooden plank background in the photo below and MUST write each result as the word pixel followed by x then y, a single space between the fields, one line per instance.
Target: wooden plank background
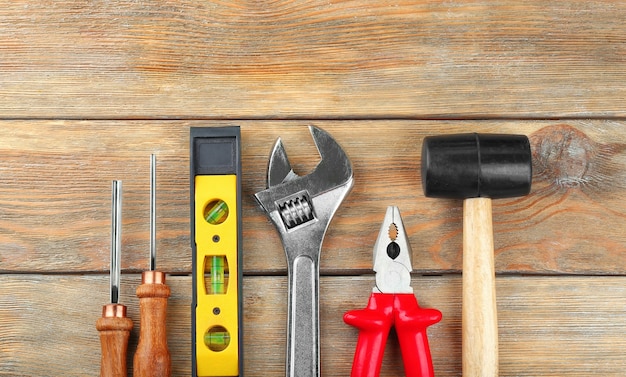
pixel 312 58
pixel 89 89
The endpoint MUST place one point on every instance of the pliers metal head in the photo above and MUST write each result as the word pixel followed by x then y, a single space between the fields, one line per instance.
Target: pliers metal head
pixel 392 255
pixel 301 208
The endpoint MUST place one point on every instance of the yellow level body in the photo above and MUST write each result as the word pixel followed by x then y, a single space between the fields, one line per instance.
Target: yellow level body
pixel 217 301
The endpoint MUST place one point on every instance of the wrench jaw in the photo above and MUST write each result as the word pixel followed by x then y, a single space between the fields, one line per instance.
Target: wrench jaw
pixel 279 169
pixel 301 209
pixel 335 168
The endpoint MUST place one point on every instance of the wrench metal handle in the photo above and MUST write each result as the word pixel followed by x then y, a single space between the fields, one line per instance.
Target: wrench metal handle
pixel 303 338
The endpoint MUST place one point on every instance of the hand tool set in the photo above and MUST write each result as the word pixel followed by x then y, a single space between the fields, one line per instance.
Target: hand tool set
pixel 473 167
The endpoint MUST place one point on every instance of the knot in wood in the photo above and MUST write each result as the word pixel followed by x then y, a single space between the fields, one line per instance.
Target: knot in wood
pixel 564 155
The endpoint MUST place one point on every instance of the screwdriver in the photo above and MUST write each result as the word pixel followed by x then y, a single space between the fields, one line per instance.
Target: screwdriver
pixel 152 358
pixel 114 327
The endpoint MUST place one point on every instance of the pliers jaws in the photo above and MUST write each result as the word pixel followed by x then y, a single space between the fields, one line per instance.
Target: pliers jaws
pixel 392 255
pixel 392 303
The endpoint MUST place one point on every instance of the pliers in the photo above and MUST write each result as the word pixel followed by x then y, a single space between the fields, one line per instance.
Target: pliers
pixel 392 303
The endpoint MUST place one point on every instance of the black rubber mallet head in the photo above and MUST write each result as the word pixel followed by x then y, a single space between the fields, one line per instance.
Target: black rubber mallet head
pixel 477 168
pixel 476 165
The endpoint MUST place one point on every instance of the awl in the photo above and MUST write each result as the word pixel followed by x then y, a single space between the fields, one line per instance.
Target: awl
pixel 114 326
pixel 152 358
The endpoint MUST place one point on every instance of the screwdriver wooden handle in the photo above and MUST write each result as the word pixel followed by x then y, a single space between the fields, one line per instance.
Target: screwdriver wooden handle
pixel 480 320
pixel 152 358
pixel 114 328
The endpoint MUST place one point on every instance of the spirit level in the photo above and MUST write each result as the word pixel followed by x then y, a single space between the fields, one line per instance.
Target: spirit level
pixel 216 245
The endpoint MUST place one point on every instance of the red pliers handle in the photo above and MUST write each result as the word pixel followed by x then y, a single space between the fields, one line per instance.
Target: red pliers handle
pixel 374 322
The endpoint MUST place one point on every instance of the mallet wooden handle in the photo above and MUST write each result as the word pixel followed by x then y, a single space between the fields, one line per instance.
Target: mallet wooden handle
pixel 152 358
pixel 480 324
pixel 114 328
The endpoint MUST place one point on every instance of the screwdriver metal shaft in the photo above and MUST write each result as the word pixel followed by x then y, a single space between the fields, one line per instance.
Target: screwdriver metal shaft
pixel 152 358
pixel 114 327
pixel 116 240
pixel 152 212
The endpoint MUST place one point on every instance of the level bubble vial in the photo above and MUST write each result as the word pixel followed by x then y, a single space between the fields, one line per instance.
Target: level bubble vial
pixel 216 212
pixel 216 274
pixel 217 338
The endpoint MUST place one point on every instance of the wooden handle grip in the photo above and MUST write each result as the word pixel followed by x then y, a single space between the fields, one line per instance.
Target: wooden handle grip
pixel 152 358
pixel 480 323
pixel 114 334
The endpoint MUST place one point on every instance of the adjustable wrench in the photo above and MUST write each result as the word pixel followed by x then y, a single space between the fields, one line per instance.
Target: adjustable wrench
pixel 301 209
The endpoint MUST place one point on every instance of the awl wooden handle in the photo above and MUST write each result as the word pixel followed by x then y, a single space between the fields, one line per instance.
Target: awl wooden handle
pixel 480 323
pixel 114 328
pixel 152 358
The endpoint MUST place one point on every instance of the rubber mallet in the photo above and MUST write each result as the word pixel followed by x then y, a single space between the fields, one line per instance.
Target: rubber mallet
pixel 477 168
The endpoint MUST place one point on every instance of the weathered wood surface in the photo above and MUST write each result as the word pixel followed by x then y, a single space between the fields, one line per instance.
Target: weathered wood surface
pixel 55 179
pixel 370 73
pixel 549 326
pixel 312 59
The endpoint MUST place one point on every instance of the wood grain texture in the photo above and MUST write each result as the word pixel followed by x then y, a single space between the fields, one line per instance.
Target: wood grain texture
pixel 312 59
pixel 131 77
pixel 549 326
pixel 55 196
